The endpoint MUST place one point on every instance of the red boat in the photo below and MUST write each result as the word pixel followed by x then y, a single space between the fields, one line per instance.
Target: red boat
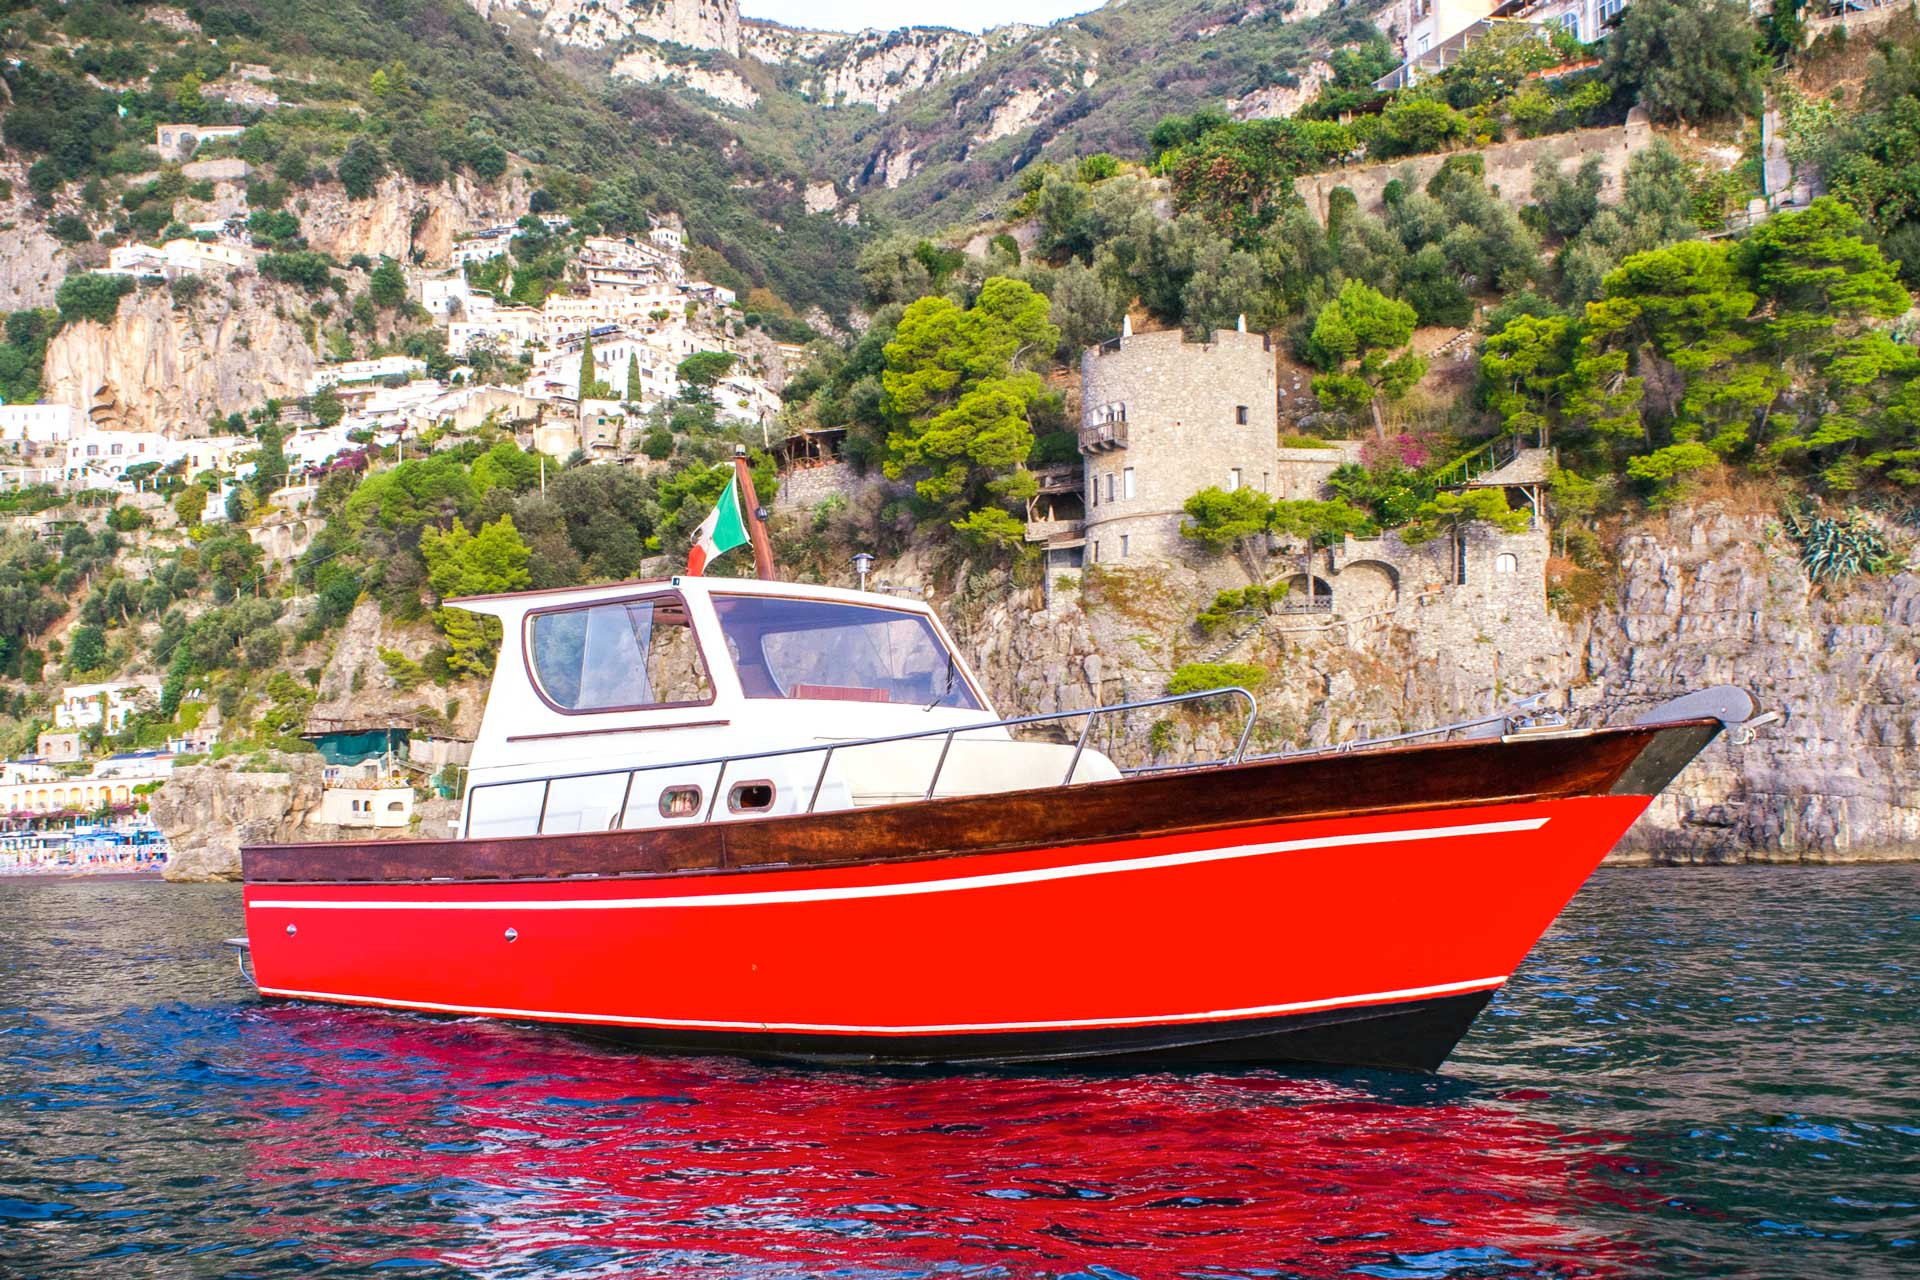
pixel 782 820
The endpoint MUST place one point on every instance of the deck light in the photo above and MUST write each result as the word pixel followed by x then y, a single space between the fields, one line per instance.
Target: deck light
pixel 862 565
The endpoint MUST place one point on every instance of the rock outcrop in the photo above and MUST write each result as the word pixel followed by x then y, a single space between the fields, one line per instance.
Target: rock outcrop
pixel 604 24
pixel 652 65
pixel 878 68
pixel 162 366
pixel 32 262
pixel 1708 597
pixel 409 222
pixel 210 812
pixel 1703 596
pixel 207 812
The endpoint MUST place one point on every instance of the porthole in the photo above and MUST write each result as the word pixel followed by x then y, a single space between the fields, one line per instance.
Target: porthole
pixel 679 802
pixel 750 797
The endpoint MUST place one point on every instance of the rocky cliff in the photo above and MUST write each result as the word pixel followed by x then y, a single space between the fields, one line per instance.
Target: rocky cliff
pixel 1703 596
pixel 654 65
pixel 1710 597
pixel 603 24
pixel 409 222
pixel 209 812
pixel 167 366
pixel 32 262
pixel 879 68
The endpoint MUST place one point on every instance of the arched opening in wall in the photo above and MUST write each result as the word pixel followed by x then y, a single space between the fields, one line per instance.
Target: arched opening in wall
pixel 1506 562
pixel 1307 593
pixel 1368 587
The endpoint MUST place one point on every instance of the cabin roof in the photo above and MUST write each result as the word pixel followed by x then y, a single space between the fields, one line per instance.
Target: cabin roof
pixel 516 602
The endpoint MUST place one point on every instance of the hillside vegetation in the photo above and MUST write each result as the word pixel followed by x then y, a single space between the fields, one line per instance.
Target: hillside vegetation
pixel 1651 337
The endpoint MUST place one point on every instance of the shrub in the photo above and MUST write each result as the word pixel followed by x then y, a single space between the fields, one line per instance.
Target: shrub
pixel 1199 677
pixel 311 271
pixel 94 296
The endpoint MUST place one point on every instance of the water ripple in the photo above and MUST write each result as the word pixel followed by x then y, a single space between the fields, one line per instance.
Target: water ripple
pixel 1701 1073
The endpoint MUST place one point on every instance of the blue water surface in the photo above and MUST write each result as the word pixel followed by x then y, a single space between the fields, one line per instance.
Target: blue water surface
pixel 1697 1073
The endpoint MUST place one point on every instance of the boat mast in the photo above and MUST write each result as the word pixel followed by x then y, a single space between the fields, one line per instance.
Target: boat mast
pixel 756 517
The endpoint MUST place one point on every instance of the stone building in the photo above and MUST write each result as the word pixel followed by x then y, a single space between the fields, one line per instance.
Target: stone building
pixel 178 141
pixel 1162 418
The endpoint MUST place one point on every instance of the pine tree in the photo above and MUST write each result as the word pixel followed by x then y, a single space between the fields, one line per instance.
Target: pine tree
pixel 586 366
pixel 633 378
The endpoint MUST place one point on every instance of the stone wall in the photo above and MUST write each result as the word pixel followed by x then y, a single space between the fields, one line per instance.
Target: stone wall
pixel 1303 473
pixel 1509 166
pixel 804 487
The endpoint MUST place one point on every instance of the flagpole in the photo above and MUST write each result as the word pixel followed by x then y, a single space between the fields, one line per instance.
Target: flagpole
pixel 756 525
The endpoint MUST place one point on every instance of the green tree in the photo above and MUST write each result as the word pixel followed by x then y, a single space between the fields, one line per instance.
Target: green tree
pixel 326 406
pixel 703 369
pixel 632 390
pixel 460 563
pixel 388 285
pixel 1686 60
pixel 1355 338
pixel 190 504
pixel 87 649
pixel 957 394
pixel 93 296
pixel 1451 512
pixel 270 462
pixel 361 168
pixel 1686 305
pixel 1523 372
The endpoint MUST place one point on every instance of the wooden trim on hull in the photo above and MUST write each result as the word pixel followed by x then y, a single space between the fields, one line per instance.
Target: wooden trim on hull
pixel 1404 1035
pixel 1360 784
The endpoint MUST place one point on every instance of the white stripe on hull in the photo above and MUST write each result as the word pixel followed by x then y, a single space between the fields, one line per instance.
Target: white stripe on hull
pixel 949 885
pixel 830 1028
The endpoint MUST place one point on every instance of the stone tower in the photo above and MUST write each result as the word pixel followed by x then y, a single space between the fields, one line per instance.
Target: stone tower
pixel 1161 419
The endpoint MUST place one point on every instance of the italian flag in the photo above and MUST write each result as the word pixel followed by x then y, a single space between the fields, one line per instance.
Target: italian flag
pixel 724 529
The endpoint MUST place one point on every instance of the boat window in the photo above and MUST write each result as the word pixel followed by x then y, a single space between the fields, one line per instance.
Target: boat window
pixel 786 648
pixel 750 797
pixel 679 802
pixel 619 656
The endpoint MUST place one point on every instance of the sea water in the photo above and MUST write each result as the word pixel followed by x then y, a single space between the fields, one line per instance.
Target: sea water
pixel 1697 1073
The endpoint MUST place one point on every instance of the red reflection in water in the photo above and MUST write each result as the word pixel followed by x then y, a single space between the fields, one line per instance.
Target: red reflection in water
pixel 531 1143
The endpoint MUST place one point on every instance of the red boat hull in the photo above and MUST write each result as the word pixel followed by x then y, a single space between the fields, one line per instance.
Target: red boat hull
pixel 1368 939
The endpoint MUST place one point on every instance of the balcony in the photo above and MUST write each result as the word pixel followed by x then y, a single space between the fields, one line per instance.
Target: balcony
pixel 1104 437
pixel 1056 533
pixel 1065 477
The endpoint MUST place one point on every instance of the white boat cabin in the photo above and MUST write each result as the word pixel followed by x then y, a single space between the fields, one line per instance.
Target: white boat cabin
pixel 694 700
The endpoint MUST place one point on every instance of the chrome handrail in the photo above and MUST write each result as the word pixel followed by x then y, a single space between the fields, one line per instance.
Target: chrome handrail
pixel 827 750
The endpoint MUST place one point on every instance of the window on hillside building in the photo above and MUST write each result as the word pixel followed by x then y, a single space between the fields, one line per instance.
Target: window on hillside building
pixel 1233 480
pixel 1126 483
pixel 1506 562
pixel 1126 545
pixel 1240 414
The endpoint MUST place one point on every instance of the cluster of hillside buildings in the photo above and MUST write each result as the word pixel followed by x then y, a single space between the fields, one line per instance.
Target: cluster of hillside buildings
pixel 629 299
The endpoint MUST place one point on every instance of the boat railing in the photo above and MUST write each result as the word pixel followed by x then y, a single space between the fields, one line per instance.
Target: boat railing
pixel 828 750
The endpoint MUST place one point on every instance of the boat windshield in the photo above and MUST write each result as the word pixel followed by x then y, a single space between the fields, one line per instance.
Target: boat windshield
pixel 785 648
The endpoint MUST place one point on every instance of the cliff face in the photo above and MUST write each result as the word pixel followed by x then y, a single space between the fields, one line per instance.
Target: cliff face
pixel 162 367
pixel 718 83
pixel 601 24
pixel 409 222
pixel 881 67
pixel 209 812
pixel 1702 597
pixel 1711 598
pixel 32 263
